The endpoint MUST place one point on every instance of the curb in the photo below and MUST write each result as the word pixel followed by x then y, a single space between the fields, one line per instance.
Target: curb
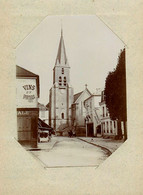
pixel 103 148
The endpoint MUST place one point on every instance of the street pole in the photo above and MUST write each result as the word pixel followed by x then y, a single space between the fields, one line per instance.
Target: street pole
pixel 86 128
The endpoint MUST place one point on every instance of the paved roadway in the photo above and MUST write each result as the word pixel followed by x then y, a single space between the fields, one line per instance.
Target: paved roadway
pixel 69 152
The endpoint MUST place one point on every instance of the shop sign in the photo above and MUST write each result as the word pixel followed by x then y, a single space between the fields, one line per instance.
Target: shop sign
pixel 19 113
pixel 26 93
pixel 25 113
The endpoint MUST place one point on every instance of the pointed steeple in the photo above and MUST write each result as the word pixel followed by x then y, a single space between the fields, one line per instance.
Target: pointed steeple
pixel 61 55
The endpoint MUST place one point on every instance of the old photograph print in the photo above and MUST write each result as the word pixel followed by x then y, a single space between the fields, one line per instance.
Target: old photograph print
pixel 71 92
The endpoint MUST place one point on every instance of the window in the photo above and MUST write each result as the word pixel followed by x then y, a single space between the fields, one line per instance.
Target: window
pixel 106 112
pixel 103 126
pixel 62 115
pixel 60 80
pixel 107 127
pixel 111 125
pixel 62 70
pixel 65 81
pixel 103 111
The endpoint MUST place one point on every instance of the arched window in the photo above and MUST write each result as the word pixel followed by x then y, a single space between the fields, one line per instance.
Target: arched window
pixel 62 70
pixel 60 80
pixel 65 81
pixel 62 115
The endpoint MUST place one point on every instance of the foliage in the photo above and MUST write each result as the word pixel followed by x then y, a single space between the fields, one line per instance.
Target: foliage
pixel 115 90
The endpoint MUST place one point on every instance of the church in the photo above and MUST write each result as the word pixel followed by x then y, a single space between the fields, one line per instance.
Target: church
pixel 61 93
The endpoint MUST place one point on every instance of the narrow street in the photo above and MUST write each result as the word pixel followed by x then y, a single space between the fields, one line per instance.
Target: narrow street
pixel 69 152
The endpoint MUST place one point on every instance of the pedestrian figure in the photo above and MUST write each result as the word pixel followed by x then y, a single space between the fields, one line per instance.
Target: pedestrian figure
pixel 70 133
pixel 50 134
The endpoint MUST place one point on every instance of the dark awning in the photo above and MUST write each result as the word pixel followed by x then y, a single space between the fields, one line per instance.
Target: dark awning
pixel 43 126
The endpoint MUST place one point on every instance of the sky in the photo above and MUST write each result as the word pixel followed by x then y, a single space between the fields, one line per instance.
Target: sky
pixel 91 47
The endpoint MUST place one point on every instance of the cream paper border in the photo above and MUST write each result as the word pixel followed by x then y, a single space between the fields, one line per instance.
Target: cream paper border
pixel 121 173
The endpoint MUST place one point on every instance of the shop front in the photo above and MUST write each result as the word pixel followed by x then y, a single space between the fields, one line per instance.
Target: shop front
pixel 27 93
pixel 27 126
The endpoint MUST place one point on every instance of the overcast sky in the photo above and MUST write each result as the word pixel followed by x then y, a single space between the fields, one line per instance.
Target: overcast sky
pixel 92 50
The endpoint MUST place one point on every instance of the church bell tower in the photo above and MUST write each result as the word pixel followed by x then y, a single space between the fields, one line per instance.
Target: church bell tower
pixel 61 93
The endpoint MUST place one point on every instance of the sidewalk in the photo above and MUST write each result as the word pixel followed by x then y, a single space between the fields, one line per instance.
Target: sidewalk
pixel 44 145
pixel 110 144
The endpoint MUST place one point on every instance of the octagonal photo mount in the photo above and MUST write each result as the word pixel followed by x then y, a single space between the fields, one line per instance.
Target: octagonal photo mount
pixel 71 92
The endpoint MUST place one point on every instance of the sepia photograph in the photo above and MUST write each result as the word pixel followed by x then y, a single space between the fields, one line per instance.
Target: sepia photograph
pixel 71 96
pixel 71 92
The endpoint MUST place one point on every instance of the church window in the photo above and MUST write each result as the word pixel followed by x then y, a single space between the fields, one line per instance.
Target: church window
pixel 60 80
pixel 62 70
pixel 62 115
pixel 65 81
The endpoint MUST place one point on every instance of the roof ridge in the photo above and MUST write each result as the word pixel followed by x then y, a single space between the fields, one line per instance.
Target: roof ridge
pixel 26 70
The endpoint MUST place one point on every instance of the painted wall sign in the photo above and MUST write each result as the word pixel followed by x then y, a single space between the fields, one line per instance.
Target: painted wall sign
pixel 26 93
pixel 19 113
pixel 27 113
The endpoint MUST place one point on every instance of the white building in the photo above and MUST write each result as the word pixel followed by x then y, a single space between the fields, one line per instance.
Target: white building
pixel 43 113
pixel 79 112
pixel 93 115
pixel 61 93
pixel 27 93
pixel 108 126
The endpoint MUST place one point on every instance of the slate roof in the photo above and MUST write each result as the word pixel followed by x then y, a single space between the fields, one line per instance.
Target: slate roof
pixel 76 96
pixel 21 72
pixel 61 50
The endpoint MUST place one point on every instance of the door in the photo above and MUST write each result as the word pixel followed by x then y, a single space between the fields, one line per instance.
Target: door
pixel 90 130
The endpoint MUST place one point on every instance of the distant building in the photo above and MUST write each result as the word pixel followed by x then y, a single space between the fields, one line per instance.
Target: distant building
pixel 93 115
pixel 43 113
pixel 27 93
pixel 108 126
pixel 79 112
pixel 61 93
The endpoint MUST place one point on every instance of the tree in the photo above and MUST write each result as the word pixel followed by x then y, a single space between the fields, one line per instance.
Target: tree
pixel 115 94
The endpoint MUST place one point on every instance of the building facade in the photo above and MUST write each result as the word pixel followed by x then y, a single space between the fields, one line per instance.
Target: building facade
pixel 61 93
pixel 79 112
pixel 43 113
pixel 108 127
pixel 93 115
pixel 27 93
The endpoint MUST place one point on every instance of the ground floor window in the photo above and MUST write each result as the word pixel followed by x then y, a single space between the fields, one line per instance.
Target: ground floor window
pixel 62 115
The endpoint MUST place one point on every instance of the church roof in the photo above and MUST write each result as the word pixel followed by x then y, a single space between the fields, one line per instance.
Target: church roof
pixel 61 55
pixel 76 96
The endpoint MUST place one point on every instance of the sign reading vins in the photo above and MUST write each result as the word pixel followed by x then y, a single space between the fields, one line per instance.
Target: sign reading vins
pixel 26 93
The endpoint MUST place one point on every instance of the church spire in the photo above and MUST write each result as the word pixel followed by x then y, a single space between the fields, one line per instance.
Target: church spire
pixel 61 55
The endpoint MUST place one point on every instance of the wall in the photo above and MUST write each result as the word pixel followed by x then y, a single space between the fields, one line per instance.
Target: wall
pixel 26 93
